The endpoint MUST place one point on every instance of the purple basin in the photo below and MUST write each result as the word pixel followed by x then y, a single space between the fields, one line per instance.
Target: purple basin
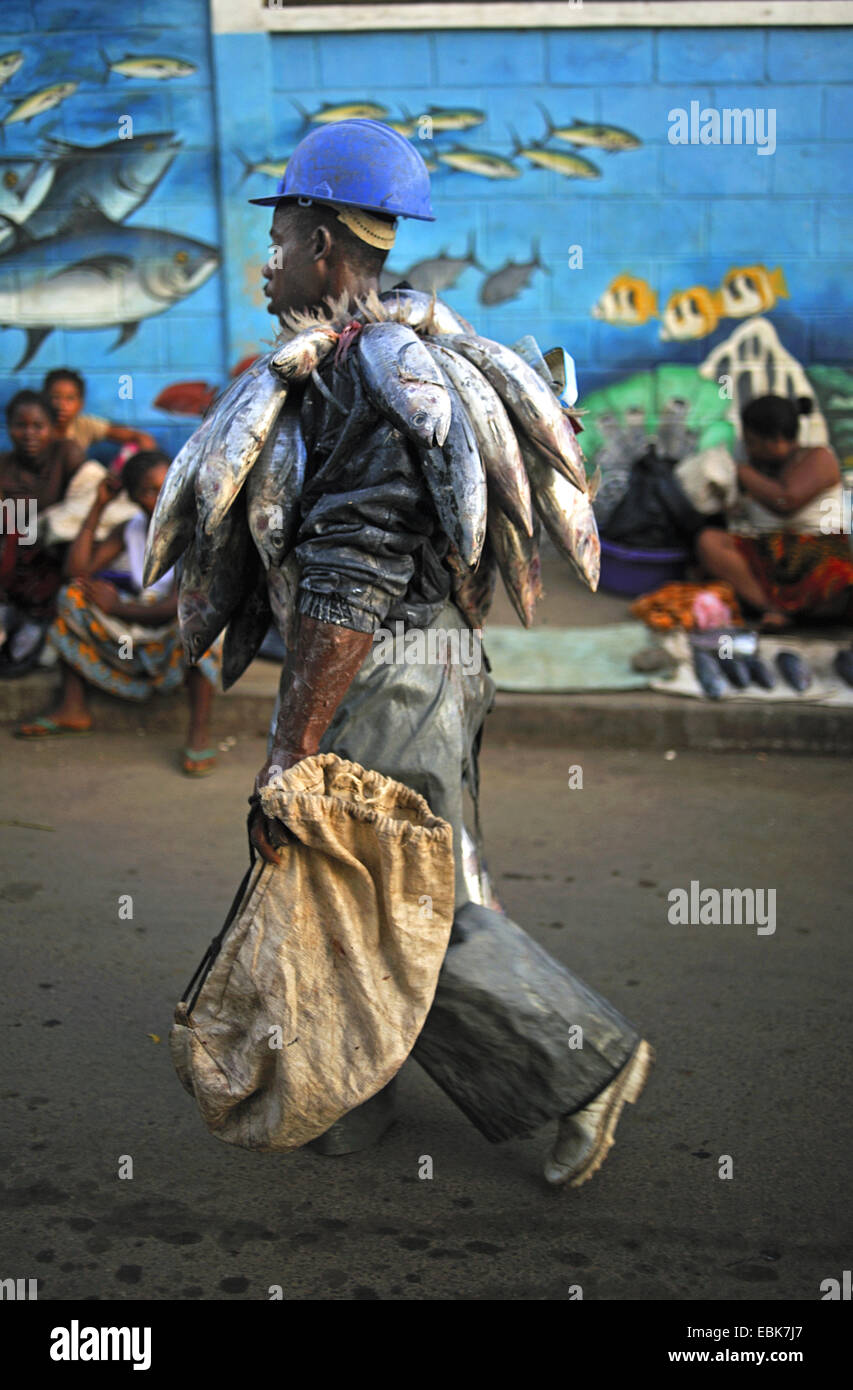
pixel 626 570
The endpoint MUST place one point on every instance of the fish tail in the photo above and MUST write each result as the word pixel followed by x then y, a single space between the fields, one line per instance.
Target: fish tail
pixel 716 298
pixel 536 257
pixel 107 65
pixel 549 124
pixel 471 253
pixel 778 283
pixel 517 144
pixel 306 115
pixel 247 166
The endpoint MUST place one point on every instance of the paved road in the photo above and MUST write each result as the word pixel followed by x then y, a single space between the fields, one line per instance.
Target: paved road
pixel 752 1033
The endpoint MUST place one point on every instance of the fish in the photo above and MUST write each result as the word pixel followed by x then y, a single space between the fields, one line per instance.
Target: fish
pixel 611 138
pixel 438 273
pixel 215 576
pixel 453 117
pixel 690 313
pixel 240 424
pixel 431 165
pixel 186 398
pixel 303 352
pixel 149 66
pixel 571 166
pixel 282 586
pixel 405 125
pixel 342 111
pixel 172 524
pixel 404 383
pixel 24 184
pixel 274 488
pixel 794 671
pixel 751 289
pixel 9 65
pixel 736 671
pixel 274 168
pixel 627 302
pixel 481 162
pixel 843 664
pixel 517 557
pixel 28 107
pixel 97 274
pixel 567 516
pixel 760 672
pixel 456 480
pixel 529 400
pixel 474 589
pixel 708 674
pixel 510 279
pixel 114 178
pixel 423 312
pixel 496 441
pixel 247 628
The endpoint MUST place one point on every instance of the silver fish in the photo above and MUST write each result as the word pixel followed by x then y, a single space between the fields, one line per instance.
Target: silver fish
pixel 404 383
pixel 283 585
pixel 423 312
pixel 246 630
pixel 518 561
pixel 495 436
pixel 9 64
pixel 173 522
pixel 529 400
pixel 213 583
pixel 303 353
pixel 274 488
pixel 241 422
pixel 437 273
pixel 510 280
pixel 567 515
pixel 115 177
pixel 456 479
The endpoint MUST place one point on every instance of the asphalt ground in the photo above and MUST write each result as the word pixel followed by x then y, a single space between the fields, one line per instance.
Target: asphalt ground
pixel 751 1032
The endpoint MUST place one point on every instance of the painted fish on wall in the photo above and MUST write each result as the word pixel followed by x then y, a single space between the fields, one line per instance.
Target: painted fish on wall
pixel 98 274
pixel 691 313
pixel 510 279
pixel 627 302
pixel 434 274
pixel 751 289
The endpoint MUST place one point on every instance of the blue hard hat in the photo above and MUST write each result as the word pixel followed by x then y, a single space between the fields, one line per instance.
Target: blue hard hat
pixel 359 164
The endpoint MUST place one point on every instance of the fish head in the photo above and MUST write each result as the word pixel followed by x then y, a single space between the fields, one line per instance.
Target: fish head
pixel 179 270
pixel 745 291
pixel 145 160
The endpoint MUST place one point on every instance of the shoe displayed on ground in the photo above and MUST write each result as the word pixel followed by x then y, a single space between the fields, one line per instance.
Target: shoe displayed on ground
pixel 585 1138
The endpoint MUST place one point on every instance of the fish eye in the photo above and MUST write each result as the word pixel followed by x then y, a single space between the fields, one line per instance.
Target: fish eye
pixel 10 178
pixel 149 145
pixel 181 257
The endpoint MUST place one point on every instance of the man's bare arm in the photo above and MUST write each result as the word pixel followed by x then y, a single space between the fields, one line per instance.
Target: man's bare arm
pixel 318 671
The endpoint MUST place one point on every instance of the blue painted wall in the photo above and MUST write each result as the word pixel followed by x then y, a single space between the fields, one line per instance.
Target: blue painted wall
pixel 673 216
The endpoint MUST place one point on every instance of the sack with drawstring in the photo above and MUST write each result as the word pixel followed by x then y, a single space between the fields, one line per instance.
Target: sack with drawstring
pixel 314 993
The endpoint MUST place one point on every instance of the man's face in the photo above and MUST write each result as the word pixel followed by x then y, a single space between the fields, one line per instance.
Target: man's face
pixel 294 278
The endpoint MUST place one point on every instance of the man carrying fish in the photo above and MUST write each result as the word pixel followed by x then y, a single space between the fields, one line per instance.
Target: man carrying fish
pixel 403 461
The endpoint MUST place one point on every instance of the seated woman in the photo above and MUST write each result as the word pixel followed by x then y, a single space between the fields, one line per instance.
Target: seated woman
pixel 66 391
pixel 34 475
pixel 784 563
pixel 128 647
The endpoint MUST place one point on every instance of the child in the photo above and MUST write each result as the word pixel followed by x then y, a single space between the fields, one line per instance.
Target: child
pixel 66 391
pixel 130 648
pixel 34 475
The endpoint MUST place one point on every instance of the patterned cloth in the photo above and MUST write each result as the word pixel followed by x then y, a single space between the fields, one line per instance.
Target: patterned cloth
pixel 85 638
pixel 799 573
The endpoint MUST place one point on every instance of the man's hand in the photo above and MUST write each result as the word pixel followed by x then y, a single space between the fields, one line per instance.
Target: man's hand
pixel 103 595
pixel 267 835
pixel 108 489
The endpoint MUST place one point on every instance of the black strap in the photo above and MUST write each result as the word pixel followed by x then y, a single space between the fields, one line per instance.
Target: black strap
pixel 203 968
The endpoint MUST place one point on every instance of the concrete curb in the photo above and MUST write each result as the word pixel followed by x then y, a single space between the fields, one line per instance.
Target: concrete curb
pixel 627 719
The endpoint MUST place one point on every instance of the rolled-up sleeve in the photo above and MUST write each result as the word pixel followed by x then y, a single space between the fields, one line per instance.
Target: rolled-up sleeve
pixel 360 537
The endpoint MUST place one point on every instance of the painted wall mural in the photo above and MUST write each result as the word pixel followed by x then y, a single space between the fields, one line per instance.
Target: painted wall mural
pixel 563 209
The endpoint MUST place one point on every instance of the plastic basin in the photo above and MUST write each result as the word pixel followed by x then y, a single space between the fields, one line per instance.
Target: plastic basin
pixel 627 570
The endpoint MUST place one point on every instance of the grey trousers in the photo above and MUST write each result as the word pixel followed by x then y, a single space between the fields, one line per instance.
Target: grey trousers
pixel 497 1038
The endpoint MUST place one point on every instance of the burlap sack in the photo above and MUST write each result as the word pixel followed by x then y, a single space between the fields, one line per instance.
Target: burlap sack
pixel 327 973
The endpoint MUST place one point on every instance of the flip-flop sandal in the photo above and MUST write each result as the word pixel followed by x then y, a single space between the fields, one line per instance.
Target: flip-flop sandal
pixel 191 757
pixel 44 727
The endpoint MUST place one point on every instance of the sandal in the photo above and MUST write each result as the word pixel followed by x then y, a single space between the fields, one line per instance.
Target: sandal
pixel 45 727
pixel 190 765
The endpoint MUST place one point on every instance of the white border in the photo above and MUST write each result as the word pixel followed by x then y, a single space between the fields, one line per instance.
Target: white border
pixel 249 17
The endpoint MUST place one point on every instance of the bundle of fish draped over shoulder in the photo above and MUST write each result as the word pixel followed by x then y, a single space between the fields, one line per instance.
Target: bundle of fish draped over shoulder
pixel 498 455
